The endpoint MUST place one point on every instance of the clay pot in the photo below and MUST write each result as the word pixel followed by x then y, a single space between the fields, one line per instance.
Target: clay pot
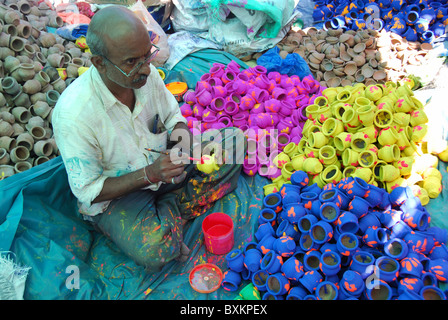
pixel 4 157
pixel 56 60
pixel 41 109
pixel 46 39
pixel 17 43
pixel 38 133
pixel 6 52
pixel 24 72
pixel 52 97
pixel 21 114
pixel 31 86
pixel 26 140
pixel 43 148
pixel 19 154
pixel 22 166
pixel 42 78
pixel 11 86
pixel 59 85
pixel 6 128
pixel 6 171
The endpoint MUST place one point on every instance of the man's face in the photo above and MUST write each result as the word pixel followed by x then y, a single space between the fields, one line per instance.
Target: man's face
pixel 127 55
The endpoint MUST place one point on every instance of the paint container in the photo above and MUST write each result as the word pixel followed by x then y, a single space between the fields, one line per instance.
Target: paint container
pixel 218 233
pixel 205 278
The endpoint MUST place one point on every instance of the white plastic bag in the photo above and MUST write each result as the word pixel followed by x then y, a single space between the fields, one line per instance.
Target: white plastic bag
pixel 161 39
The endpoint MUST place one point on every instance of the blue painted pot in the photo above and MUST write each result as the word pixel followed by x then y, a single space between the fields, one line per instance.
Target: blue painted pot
pixel 378 291
pixel 387 269
pixel 259 279
pixel 252 260
pixel 375 237
pixel 411 267
pixel 347 222
pixel 312 188
pixel 288 229
pixel 429 279
pixel 400 230
pixel 409 283
pixel 409 295
pixel 439 252
pixel 293 269
pixel 427 37
pixel 270 296
pixel 267 215
pixel 363 263
pixel 231 280
pixel 396 248
pixel 285 246
pixel 311 260
pixel 307 198
pixel 374 196
pixel 321 232
pixel 293 212
pixel 399 195
pixel 357 187
pixel 417 219
pixel 271 262
pixel 277 284
pixel 273 201
pixel 432 293
pixel 352 283
pixel 389 218
pixel 329 212
pixel 419 241
pixel 369 220
pixel 235 260
pixel 439 268
pixel 359 207
pixel 326 290
pixel 439 234
pixel 310 280
pixel 347 243
pixel 299 178
pixel 296 293
pixel 306 243
pixel 263 230
pixel 438 29
pixel 304 224
pixel 266 243
pixel 330 263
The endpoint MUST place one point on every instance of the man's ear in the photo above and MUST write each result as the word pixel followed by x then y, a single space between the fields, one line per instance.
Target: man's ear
pixel 99 63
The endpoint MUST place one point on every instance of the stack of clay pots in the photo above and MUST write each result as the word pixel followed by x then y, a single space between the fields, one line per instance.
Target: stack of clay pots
pixel 33 68
pixel 338 58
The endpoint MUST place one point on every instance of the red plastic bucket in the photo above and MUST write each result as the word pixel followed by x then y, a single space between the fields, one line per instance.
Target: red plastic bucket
pixel 218 233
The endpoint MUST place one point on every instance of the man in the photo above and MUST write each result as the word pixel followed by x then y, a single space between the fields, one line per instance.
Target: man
pixel 103 123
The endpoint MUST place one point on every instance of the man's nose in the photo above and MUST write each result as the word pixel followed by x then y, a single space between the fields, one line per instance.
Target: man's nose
pixel 145 69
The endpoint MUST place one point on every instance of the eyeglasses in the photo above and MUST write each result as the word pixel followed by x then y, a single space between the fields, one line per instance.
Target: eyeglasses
pixel 154 51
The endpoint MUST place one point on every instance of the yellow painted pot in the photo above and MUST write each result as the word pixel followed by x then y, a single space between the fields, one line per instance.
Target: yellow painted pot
pixel 389 153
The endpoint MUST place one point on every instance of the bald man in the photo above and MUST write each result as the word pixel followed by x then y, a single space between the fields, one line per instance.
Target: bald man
pixel 103 123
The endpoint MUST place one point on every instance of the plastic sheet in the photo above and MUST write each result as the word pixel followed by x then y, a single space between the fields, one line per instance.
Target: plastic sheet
pixel 293 64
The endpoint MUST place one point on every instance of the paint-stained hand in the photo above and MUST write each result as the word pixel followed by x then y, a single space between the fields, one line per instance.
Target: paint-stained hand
pixel 168 169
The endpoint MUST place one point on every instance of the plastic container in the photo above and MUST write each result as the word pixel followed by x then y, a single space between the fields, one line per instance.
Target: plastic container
pixel 205 278
pixel 177 89
pixel 218 233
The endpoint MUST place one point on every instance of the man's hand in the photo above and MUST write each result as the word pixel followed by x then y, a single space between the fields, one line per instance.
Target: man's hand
pixel 168 169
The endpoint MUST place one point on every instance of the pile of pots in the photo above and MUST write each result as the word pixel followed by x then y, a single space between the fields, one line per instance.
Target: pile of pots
pixel 422 21
pixel 35 68
pixel 376 133
pixel 267 106
pixel 345 241
pixel 338 57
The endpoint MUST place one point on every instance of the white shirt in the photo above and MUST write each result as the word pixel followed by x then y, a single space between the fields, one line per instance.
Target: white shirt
pixel 99 137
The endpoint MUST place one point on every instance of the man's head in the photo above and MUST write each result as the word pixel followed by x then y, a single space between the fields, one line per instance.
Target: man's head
pixel 119 42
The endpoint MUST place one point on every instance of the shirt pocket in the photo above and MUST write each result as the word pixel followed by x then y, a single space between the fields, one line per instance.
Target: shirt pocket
pixel 157 142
